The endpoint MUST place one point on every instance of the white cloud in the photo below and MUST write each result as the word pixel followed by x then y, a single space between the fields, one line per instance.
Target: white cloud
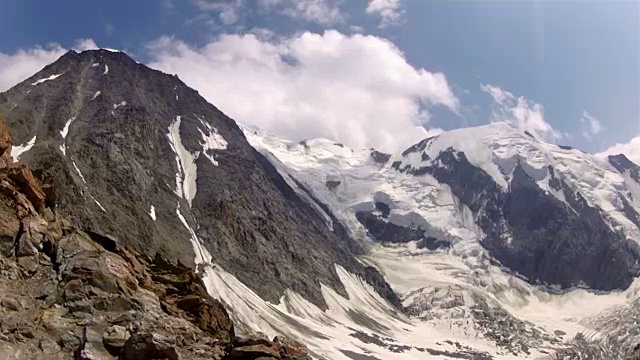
pixel 390 11
pixel 23 63
pixel 630 150
pixel 519 111
pixel 356 89
pixel 592 124
pixel 227 10
pixel 85 44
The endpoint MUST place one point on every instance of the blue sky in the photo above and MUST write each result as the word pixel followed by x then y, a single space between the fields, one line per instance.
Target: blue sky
pixel 573 65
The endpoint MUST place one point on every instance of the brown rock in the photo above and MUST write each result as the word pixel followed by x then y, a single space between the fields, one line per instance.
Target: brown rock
pixel 9 227
pixel 256 338
pixel 252 352
pixel 11 304
pixel 25 181
pixel 292 349
pixel 5 142
pixel 28 264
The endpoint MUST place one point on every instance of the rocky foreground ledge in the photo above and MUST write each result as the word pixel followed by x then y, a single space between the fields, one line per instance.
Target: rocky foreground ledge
pixel 69 293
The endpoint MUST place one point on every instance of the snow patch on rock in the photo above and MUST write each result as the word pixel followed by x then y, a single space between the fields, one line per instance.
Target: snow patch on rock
pixel 185 162
pixel 18 150
pixel 152 212
pixel 78 170
pixel 63 133
pixel 52 77
pixel 96 95
pixel 211 140
pixel 97 203
pixel 202 254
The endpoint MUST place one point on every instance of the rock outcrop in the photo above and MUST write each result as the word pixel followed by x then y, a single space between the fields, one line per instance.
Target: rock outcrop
pixel 68 293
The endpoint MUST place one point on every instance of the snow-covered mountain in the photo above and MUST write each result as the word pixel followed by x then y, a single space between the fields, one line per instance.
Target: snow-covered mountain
pixel 486 233
pixel 480 243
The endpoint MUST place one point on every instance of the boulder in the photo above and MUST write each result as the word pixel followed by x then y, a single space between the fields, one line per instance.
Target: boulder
pixel 91 346
pixel 10 303
pixel 116 336
pixel 48 346
pixel 150 346
pixel 22 176
pixel 252 352
pixel 291 349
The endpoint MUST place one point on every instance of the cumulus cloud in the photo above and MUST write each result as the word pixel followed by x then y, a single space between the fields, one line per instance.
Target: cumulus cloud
pixel 355 89
pixel 389 11
pixel 592 125
pixel 523 113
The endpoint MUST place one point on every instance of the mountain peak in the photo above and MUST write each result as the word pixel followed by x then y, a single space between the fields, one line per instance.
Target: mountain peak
pixel 143 159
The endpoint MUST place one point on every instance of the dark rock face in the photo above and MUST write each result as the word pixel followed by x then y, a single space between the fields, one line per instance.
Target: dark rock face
pixel 380 229
pixel 421 146
pixel 432 243
pixel 553 245
pixel 373 277
pixel 535 234
pixel 623 164
pixel 118 163
pixel 380 157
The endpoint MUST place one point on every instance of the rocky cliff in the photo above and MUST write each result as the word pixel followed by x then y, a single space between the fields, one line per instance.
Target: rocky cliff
pixel 66 293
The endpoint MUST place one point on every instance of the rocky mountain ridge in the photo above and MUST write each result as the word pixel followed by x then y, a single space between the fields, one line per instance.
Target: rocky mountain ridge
pixel 69 294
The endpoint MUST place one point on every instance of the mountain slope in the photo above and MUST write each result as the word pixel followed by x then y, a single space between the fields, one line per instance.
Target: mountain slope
pixel 138 157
